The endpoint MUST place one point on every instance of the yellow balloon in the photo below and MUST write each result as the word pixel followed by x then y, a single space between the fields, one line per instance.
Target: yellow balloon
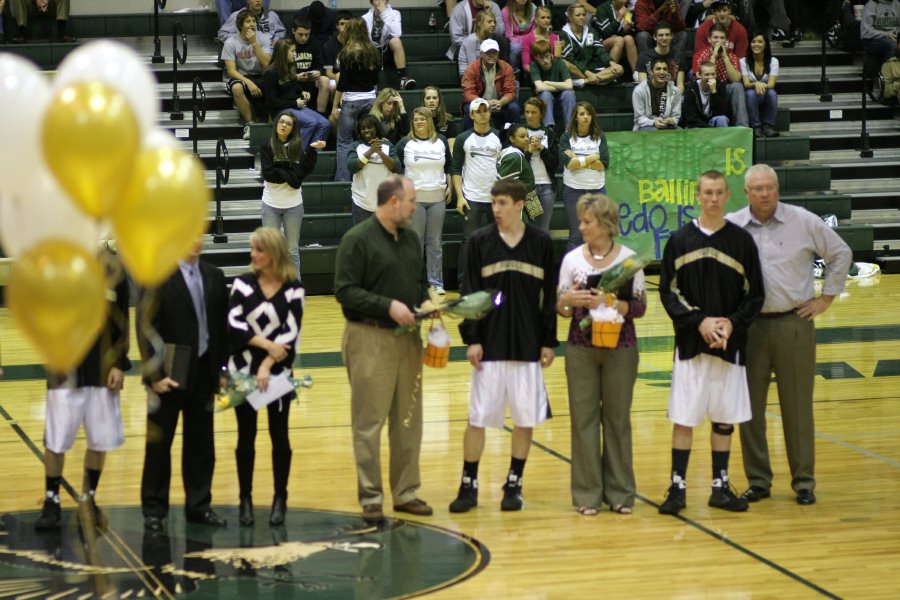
pixel 161 213
pixel 57 296
pixel 90 138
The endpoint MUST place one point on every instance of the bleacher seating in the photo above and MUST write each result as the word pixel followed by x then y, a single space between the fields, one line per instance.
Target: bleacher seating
pixel 806 172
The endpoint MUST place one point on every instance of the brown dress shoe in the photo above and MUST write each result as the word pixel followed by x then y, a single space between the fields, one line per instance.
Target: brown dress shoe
pixel 373 513
pixel 415 507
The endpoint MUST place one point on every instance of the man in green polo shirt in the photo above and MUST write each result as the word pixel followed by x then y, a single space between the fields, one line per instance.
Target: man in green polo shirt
pixel 379 279
pixel 552 82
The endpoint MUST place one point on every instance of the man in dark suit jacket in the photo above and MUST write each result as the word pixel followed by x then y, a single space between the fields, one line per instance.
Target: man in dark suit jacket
pixel 200 353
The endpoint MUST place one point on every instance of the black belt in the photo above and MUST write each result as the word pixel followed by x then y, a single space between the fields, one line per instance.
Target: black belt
pixel 372 322
pixel 776 315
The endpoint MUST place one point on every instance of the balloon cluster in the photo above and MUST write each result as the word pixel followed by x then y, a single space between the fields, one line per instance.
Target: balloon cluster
pixel 82 153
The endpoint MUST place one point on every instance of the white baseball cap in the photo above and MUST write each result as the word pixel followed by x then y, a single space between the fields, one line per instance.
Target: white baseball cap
pixel 476 103
pixel 489 44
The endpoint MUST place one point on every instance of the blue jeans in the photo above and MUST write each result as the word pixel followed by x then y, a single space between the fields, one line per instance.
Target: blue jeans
pixel 570 199
pixel 428 223
pixel 358 213
pixel 313 126
pixel 566 100
pixel 508 114
pixel 765 104
pixel 226 7
pixel 288 220
pixel 884 48
pixel 515 55
pixel 350 112
pixel 479 215
pixel 738 102
pixel 547 195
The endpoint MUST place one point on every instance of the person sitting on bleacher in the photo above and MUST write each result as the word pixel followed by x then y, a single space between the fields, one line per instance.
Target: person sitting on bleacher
pixel 310 66
pixel 22 9
pixel 662 33
pixel 656 101
pixel 880 27
pixel 390 110
pixel 322 19
pixel 543 18
pixel 444 123
pixel 371 160
pixel 552 83
pixel 735 34
pixel 648 13
pixel 586 58
pixel 518 21
pixel 728 72
pixel 493 80
pixel 269 28
pixel 225 8
pixel 615 31
pixel 385 30
pixel 284 89
pixel 245 60
pixel 759 70
pixel 705 101
pixel 470 49
pixel 333 47
pixel 462 22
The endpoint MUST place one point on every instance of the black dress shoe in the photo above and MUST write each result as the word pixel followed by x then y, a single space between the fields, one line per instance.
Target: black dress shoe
pixel 279 508
pixel 153 524
pixel 806 497
pixel 209 518
pixel 246 512
pixel 756 493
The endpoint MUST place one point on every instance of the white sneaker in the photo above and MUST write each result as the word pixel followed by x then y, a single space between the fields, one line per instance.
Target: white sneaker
pixel 440 291
pixel 246 132
pixel 578 83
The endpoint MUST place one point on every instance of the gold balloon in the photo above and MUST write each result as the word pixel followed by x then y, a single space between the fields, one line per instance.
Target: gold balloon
pixel 161 213
pixel 57 296
pixel 90 138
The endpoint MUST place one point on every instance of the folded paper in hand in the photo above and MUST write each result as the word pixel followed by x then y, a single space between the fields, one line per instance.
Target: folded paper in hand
pixel 279 385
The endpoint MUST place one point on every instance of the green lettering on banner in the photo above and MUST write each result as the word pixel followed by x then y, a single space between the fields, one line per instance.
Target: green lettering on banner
pixel 653 176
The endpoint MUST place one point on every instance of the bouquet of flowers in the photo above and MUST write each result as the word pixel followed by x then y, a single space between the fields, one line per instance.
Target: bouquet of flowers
pixel 609 283
pixel 237 386
pixel 471 306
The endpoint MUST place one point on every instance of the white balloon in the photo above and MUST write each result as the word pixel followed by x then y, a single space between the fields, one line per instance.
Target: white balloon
pixel 24 96
pixel 118 66
pixel 159 138
pixel 43 212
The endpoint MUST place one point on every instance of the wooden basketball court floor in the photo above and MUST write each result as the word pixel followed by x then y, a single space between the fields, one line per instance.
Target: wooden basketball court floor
pixel 845 546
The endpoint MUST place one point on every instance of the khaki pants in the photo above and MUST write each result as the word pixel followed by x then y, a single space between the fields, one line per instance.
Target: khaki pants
pixel 786 346
pixel 601 384
pixel 22 9
pixel 385 372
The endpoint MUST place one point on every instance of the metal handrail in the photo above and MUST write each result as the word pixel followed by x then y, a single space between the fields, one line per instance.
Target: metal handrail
pixel 199 110
pixel 157 45
pixel 824 88
pixel 222 173
pixel 865 151
pixel 178 56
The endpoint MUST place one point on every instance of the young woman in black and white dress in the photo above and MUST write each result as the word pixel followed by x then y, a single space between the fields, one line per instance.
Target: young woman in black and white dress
pixel 265 311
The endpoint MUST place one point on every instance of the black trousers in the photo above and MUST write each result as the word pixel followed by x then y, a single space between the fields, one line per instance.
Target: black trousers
pixel 198 455
pixel 245 454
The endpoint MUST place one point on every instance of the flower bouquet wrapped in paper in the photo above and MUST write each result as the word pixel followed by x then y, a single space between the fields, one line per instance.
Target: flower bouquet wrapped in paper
pixel 471 306
pixel 237 386
pixel 608 283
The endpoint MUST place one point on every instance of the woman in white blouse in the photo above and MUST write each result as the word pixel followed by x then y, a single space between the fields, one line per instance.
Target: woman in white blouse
pixel 759 70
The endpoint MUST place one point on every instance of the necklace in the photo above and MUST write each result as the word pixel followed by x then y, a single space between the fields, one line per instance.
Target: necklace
pixel 604 255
